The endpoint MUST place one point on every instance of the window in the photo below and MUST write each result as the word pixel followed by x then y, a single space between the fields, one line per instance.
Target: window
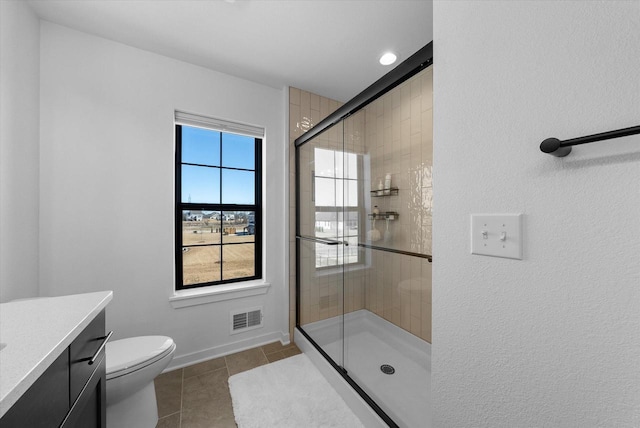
pixel 336 200
pixel 218 203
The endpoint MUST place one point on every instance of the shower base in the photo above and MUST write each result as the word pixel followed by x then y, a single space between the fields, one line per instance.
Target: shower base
pixel 371 342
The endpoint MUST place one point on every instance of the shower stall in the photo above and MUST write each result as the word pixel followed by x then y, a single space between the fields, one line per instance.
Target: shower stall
pixel 363 242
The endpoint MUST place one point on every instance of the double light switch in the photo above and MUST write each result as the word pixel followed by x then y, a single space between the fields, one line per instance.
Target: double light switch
pixel 498 235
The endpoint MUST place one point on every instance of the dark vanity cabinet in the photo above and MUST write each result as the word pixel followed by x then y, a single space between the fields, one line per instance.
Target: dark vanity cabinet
pixel 71 393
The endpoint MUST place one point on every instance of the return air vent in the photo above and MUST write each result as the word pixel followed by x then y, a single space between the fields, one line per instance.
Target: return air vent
pixel 247 319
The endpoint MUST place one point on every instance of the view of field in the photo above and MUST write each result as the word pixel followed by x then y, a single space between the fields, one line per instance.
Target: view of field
pixel 205 263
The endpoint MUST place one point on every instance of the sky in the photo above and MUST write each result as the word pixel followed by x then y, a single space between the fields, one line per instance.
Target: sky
pixel 201 184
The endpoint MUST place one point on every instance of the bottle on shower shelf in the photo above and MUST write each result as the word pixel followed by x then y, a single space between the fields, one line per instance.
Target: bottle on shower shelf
pixel 387 234
pixel 387 184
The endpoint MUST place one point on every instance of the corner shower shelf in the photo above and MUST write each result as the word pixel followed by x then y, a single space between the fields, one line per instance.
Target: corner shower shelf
pixel 389 215
pixel 384 192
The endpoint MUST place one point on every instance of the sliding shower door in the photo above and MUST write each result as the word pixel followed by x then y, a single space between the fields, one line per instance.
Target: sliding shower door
pixel 320 241
pixel 387 322
pixel 363 235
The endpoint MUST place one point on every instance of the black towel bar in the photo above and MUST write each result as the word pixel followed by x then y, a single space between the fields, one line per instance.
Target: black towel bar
pixel 558 148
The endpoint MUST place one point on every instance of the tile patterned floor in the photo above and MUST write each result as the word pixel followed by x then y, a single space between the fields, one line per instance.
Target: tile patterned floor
pixel 198 396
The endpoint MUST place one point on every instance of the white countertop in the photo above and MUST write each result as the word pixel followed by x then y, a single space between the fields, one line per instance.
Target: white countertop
pixel 35 333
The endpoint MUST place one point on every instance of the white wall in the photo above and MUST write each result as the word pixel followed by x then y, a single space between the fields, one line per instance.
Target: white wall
pixel 107 185
pixel 19 97
pixel 554 339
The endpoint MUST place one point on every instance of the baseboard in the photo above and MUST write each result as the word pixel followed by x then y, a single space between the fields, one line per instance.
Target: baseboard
pixel 285 338
pixel 185 360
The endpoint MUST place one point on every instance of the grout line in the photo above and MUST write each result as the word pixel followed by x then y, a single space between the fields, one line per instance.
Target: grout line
pixel 226 366
pixel 169 415
pixel 181 398
pixel 229 389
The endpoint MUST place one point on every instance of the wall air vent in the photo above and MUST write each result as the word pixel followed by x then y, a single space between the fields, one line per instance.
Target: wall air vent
pixel 247 319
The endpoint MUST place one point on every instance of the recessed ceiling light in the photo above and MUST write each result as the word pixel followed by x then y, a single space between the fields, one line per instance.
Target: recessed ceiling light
pixel 388 58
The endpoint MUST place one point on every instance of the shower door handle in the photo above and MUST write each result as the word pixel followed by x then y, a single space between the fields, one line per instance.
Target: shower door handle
pixel 330 242
pixel 322 240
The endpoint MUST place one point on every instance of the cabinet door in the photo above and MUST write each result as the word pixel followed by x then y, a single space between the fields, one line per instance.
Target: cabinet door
pixel 81 351
pixel 89 411
pixel 46 402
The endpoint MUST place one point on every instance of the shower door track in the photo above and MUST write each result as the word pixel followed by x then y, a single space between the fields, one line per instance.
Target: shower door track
pixel 345 375
pixel 420 60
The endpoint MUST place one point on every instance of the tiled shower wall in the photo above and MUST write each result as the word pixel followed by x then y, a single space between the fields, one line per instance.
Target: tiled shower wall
pixel 392 135
pixel 399 140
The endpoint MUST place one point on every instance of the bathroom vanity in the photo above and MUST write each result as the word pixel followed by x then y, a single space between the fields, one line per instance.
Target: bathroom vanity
pixel 52 361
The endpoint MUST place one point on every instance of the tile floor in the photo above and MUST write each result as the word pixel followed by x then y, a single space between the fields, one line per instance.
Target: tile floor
pixel 198 396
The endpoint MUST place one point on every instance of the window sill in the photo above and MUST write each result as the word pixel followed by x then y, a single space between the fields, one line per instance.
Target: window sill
pixel 217 293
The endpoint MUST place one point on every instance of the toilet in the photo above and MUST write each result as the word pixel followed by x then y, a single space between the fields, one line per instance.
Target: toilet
pixel 132 365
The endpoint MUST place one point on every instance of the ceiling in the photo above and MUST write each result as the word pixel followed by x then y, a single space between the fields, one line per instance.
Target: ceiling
pixel 329 47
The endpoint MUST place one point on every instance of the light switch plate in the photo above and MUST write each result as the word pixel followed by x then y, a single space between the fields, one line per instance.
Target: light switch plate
pixel 497 235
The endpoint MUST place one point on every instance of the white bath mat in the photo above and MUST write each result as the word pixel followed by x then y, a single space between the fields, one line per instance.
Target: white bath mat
pixel 289 393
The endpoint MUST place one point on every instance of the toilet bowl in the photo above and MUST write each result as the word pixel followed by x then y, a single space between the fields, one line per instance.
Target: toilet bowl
pixel 132 365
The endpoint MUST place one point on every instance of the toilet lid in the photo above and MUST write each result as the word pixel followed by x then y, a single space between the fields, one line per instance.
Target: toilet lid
pixel 124 354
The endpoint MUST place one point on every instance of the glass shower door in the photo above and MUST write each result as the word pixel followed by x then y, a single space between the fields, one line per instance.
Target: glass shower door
pixel 387 283
pixel 363 235
pixel 320 243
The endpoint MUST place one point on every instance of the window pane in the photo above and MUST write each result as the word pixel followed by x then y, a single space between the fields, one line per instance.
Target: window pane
pixel 342 228
pixel 351 226
pixel 239 227
pixel 200 227
pixel 217 170
pixel 201 146
pixel 327 224
pixel 238 187
pixel 339 164
pixel 238 261
pixel 200 264
pixel 324 163
pixel 200 184
pixel 351 165
pixel 325 195
pixel 238 151
pixel 327 255
pixel 349 254
pixel 351 192
pixel 346 193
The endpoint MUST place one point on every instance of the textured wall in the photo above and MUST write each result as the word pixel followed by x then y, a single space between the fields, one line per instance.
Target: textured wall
pixel 106 177
pixel 553 339
pixel 19 153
